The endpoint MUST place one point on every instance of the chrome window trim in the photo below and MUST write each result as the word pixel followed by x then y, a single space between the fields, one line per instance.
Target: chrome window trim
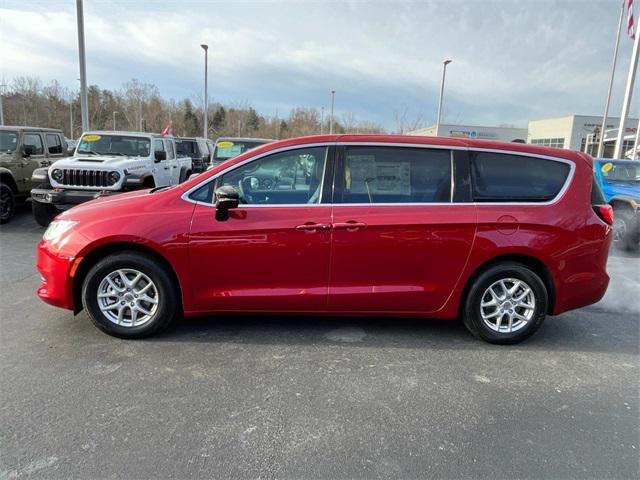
pixel 563 190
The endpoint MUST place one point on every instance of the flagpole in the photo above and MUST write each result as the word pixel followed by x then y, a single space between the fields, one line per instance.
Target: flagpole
pixel 613 72
pixel 627 96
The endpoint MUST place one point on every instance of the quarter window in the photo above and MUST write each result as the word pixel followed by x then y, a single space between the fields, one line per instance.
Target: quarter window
pixel 500 177
pixel 53 143
pixel 396 175
pixel 34 140
pixel 287 178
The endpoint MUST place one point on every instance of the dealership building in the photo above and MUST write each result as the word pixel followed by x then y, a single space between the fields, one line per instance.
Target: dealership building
pixel 575 132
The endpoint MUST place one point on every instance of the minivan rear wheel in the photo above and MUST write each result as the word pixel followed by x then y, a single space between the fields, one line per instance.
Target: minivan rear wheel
pixel 129 295
pixel 506 304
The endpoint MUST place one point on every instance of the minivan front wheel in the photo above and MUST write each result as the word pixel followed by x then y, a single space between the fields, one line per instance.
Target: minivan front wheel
pixel 129 295
pixel 506 304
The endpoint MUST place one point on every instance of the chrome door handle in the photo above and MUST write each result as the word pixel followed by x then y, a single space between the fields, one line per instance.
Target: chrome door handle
pixel 351 225
pixel 312 227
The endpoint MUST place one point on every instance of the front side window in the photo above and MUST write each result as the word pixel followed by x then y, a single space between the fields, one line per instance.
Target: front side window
pixel 34 140
pixel 121 145
pixel 293 177
pixel 53 143
pixel 169 147
pixel 8 141
pixel 499 177
pixel 158 146
pixel 396 175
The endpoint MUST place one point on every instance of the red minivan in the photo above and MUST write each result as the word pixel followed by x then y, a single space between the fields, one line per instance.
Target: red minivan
pixel 498 234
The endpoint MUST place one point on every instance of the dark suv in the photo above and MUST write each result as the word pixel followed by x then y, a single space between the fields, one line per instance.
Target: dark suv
pixel 196 149
pixel 22 150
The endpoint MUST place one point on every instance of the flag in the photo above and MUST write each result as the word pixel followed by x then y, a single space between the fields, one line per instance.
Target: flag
pixel 168 130
pixel 631 30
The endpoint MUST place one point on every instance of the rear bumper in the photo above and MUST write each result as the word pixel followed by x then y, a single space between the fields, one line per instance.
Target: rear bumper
pixel 56 196
pixel 56 288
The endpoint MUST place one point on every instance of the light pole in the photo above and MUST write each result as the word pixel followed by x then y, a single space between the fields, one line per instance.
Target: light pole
pixel 1 110
pixel 84 101
pixel 444 72
pixel 205 47
pixel 71 118
pixel 321 120
pixel 114 120
pixel 333 102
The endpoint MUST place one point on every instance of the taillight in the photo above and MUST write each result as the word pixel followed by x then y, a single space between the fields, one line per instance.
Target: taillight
pixel 605 212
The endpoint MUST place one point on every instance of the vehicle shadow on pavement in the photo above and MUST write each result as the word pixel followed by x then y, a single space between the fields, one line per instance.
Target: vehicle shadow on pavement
pixel 569 332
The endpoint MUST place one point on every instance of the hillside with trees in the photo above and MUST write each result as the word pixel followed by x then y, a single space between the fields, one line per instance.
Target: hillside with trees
pixel 139 106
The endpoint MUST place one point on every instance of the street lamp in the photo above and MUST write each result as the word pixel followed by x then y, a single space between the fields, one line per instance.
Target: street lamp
pixel 444 72
pixel 333 102
pixel 206 100
pixel 114 120
pixel 84 101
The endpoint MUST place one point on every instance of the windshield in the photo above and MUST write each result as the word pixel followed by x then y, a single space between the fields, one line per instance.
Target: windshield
pixel 8 141
pixel 224 150
pixel 620 172
pixel 94 144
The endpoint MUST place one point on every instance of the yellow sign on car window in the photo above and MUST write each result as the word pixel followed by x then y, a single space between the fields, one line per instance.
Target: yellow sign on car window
pixel 91 138
pixel 606 167
pixel 225 144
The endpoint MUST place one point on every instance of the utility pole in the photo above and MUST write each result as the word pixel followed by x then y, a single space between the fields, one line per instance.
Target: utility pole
pixel 71 118
pixel 84 100
pixel 627 97
pixel 205 123
pixel 444 72
pixel 114 120
pixel 611 77
pixel 140 113
pixel 333 102
pixel 1 109
pixel 321 120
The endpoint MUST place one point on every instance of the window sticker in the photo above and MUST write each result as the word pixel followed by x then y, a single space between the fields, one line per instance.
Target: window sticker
pixel 225 144
pixel 606 167
pixel 370 176
pixel 91 138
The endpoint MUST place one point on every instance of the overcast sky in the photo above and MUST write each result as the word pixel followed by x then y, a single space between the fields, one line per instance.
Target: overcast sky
pixel 513 60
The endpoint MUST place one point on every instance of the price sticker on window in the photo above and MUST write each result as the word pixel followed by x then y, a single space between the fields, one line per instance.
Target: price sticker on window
pixel 606 167
pixel 225 144
pixel 91 138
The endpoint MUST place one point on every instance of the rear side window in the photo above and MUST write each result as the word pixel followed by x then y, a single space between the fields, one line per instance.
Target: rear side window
pixel 396 175
pixel 53 143
pixel 499 177
pixel 34 140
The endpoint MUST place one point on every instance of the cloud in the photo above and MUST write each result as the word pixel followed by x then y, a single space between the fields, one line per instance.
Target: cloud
pixel 511 60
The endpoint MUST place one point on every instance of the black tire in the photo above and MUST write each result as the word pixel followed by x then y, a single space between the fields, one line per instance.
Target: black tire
pixel 630 238
pixel 43 213
pixel 472 317
pixel 7 203
pixel 167 296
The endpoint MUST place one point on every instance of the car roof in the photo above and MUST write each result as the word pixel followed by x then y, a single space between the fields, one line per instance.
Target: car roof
pixel 190 138
pixel 36 129
pixel 617 160
pixel 244 139
pixel 126 134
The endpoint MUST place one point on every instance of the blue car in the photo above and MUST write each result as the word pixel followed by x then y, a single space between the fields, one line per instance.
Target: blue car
pixel 620 184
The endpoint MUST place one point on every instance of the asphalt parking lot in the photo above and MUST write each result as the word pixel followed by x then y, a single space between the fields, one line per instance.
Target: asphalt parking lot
pixel 314 397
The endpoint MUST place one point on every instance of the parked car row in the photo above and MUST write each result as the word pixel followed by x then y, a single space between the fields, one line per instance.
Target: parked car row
pixel 103 163
pixel 500 235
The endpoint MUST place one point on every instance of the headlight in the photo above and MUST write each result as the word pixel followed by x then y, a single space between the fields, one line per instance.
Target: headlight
pixel 114 177
pixel 57 228
pixel 57 175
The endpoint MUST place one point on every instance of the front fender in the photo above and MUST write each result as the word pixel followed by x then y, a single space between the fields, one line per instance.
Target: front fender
pixel 40 175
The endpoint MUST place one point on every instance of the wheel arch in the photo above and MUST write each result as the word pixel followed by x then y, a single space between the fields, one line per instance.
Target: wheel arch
pixel 7 177
pixel 101 251
pixel 534 263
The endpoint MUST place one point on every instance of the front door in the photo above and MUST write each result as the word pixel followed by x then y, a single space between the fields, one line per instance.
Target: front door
pixel 399 244
pixel 36 160
pixel 162 168
pixel 272 253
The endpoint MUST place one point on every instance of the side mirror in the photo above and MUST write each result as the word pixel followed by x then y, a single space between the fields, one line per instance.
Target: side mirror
pixel 227 197
pixel 160 156
pixel 28 150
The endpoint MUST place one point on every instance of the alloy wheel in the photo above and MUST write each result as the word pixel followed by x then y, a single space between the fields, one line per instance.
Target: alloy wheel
pixel 507 305
pixel 128 297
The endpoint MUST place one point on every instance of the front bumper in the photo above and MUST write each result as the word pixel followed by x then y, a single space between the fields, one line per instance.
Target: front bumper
pixel 57 196
pixel 57 286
